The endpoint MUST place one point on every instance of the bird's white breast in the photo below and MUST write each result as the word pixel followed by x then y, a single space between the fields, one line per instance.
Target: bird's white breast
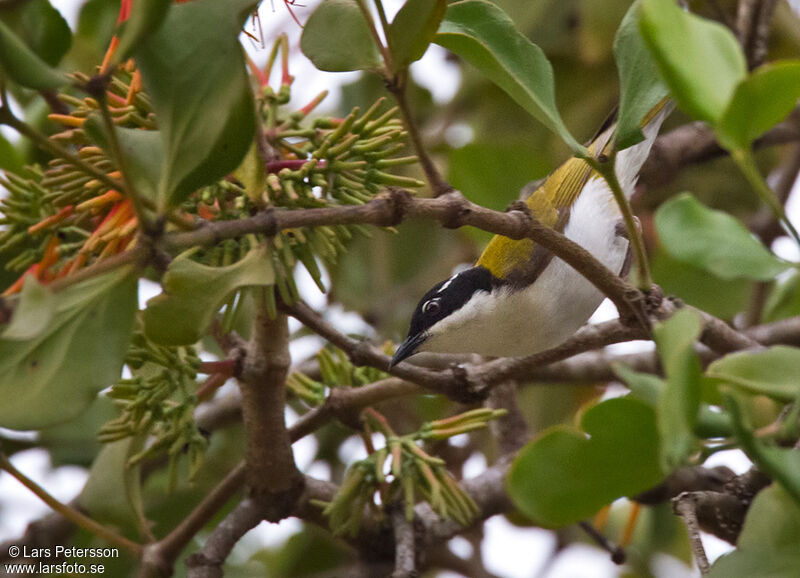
pixel 522 322
pixel 514 323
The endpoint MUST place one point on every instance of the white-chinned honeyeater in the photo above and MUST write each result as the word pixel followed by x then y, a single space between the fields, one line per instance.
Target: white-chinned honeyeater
pixel 518 299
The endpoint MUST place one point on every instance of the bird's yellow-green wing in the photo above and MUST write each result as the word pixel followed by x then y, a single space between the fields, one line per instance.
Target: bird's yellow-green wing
pixel 521 261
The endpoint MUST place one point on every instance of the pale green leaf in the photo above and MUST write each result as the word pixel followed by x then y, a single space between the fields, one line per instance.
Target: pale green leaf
pixel 700 61
pixel 193 293
pixel 483 35
pixel 641 87
pixel 714 241
pixel 52 376
pixel 336 38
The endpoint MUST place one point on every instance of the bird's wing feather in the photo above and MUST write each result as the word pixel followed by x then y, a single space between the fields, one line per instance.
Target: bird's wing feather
pixel 520 262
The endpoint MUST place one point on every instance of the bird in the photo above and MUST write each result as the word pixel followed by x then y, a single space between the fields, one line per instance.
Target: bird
pixel 518 299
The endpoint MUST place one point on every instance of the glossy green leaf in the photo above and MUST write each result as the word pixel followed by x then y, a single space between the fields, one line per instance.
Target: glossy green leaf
pixel 483 35
pixel 700 61
pixel 193 69
pixel 774 371
pixel 23 66
pixel 780 464
pixel 193 293
pixel 336 38
pixel 40 26
pixel 146 18
pixel 641 87
pixel 112 493
pixel 767 546
pixel 141 149
pixel 52 376
pixel 413 29
pixel 784 299
pixel 760 101
pixel 713 240
pixel 680 400
pixel 566 475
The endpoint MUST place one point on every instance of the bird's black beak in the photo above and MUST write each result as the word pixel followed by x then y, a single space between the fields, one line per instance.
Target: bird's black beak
pixel 407 348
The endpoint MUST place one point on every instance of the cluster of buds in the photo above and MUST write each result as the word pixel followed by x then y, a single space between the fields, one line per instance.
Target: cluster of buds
pixel 336 370
pixel 401 470
pixel 61 218
pixel 158 403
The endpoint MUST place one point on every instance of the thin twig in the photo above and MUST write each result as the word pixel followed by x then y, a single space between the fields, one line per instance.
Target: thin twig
pixel 617 552
pixel 607 170
pixel 405 564
pixel 684 506
pixel 453 211
pixel 76 517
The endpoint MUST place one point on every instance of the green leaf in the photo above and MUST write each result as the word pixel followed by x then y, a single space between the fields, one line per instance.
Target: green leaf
pixel 52 376
pixel 193 69
pixel 760 101
pixel 141 149
pixel 641 87
pixel 146 18
pixel 34 313
pixel 782 465
pixel 9 157
pixel 714 240
pixel 193 293
pixel 336 38
pixel 112 493
pixel 645 387
pixel 700 61
pixel 650 388
pixel 413 29
pixel 774 371
pixel 23 66
pixel 483 35
pixel 75 442
pixel 680 400
pixel 40 26
pixel 723 298
pixel 566 475
pixel 492 174
pixel 767 546
pixel 784 299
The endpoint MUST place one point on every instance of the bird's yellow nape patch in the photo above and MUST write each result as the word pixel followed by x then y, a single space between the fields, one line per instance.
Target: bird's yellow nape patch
pixel 502 255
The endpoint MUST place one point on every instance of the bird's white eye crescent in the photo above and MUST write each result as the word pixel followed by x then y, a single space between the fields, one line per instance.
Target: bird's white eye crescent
pixel 431 307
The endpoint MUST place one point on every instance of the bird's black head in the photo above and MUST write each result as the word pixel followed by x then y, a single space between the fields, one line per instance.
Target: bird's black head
pixel 441 301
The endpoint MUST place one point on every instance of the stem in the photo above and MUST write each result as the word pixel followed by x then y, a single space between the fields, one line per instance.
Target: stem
pixel 384 26
pixel 608 171
pixel 71 514
pixel 438 185
pixel 119 159
pixel 747 164
pixel 8 118
pixel 385 54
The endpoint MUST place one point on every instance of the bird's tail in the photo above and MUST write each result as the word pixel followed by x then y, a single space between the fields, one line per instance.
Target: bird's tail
pixel 630 161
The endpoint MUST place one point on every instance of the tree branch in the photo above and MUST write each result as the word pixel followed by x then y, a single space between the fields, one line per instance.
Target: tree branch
pixel 452 210
pixel 271 471
pixel 207 563
pixel 695 143
pixel 405 554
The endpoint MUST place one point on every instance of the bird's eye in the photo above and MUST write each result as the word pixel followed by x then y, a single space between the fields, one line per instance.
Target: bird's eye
pixel 432 307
